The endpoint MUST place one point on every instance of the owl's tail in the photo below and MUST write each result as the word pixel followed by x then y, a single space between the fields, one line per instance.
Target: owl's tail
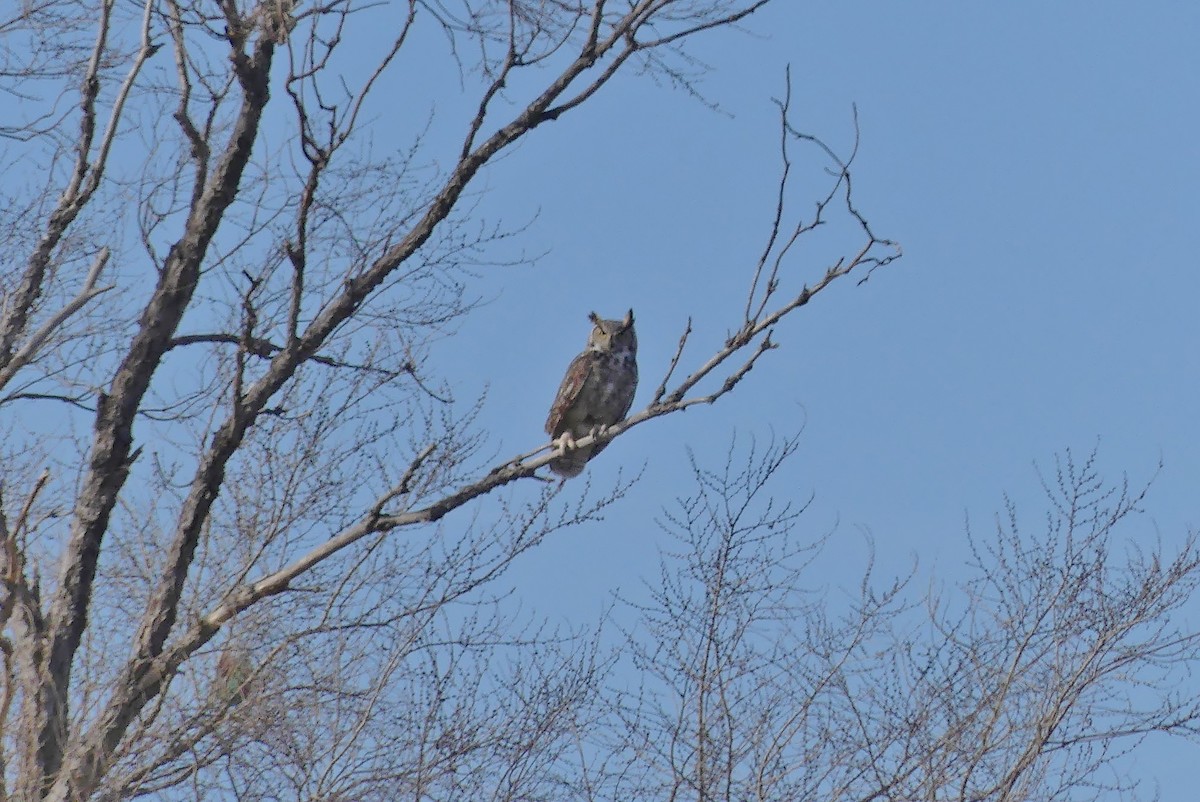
pixel 571 463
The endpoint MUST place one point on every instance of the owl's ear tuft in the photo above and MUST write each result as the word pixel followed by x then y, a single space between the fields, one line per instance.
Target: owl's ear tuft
pixel 628 319
pixel 592 316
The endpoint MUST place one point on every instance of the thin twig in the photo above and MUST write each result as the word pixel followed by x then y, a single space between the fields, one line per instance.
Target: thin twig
pixel 28 352
pixel 662 387
pixel 404 486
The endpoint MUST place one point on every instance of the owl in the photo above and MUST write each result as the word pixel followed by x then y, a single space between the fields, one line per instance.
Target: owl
pixel 233 674
pixel 596 392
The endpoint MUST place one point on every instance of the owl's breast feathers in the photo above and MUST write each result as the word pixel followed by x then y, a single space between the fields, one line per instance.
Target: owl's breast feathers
pixel 597 391
pixel 618 385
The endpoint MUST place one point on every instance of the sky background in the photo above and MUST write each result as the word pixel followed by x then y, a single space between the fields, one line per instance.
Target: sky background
pixel 1038 163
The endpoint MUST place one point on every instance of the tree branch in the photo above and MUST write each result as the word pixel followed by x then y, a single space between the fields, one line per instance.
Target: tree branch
pixel 29 351
pixel 112 455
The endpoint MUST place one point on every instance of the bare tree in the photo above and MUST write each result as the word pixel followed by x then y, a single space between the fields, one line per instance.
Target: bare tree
pixel 1061 649
pixel 220 415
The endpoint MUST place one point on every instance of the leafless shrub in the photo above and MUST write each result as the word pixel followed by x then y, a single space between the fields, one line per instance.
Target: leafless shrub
pixel 1063 648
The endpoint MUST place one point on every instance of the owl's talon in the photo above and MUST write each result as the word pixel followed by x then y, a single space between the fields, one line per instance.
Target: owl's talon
pixel 565 443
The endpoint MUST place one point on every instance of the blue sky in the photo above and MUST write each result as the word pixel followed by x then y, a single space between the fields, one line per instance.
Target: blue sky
pixel 1039 164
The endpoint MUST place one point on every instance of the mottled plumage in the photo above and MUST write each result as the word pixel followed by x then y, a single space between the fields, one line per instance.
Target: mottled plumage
pixel 596 392
pixel 233 674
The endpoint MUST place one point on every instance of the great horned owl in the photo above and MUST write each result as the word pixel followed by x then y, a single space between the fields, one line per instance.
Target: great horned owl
pixel 596 392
